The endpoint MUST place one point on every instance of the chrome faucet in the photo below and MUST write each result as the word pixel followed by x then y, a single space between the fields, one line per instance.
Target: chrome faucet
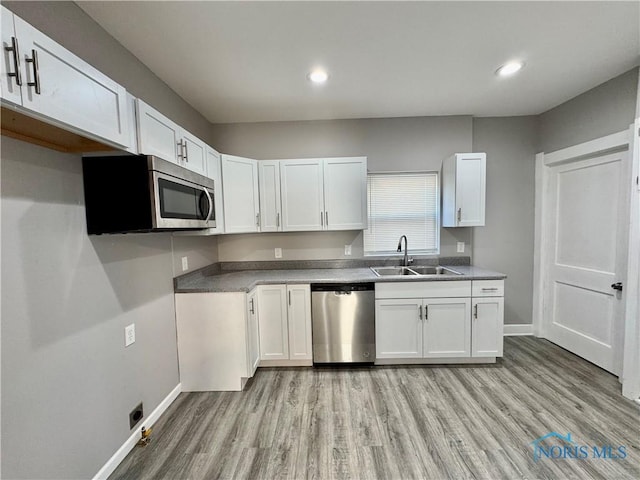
pixel 406 260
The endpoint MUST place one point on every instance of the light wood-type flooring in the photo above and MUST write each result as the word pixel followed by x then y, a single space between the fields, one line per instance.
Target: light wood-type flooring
pixel 432 422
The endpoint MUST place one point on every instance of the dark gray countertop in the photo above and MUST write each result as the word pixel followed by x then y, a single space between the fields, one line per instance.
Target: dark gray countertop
pixel 215 280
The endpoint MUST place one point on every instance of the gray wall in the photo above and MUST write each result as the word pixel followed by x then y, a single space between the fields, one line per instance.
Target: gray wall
pixel 68 383
pixel 605 109
pixel 391 144
pixel 505 243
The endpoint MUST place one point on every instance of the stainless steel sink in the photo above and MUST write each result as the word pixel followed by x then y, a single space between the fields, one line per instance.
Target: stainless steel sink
pixel 418 270
pixel 392 271
pixel 433 270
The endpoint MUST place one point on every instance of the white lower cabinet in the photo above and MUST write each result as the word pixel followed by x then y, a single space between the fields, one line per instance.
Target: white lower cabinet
pixel 218 346
pixel 285 324
pixel 422 321
pixel 423 328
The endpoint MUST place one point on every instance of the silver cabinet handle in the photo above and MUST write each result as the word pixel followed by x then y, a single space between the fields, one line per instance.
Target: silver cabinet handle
pixel 289 297
pixel 489 289
pixel 258 219
pixel 252 310
pixel 426 312
pixel 475 311
pixel 326 219
pixel 16 60
pixel 420 312
pixel 321 219
pixel 278 219
pixel 36 71
pixel 186 151
pixel 180 150
pixel 459 214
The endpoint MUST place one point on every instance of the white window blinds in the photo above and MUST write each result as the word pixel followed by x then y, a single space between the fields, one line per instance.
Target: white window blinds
pixel 402 204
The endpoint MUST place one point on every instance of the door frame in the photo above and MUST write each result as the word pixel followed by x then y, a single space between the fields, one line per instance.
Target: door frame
pixel 544 245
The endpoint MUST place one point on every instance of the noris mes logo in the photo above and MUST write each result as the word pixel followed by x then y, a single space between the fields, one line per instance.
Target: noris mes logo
pixel 566 448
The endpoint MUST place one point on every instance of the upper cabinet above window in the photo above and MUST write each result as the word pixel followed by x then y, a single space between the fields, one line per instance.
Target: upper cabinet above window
pixel 464 190
pixel 44 80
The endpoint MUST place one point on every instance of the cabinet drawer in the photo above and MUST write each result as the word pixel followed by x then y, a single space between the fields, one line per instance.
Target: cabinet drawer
pixel 488 288
pixel 455 288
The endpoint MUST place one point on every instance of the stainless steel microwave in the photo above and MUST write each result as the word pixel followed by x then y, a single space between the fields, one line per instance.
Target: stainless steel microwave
pixel 139 193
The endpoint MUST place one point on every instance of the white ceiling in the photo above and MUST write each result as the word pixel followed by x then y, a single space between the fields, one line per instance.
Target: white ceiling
pixel 248 61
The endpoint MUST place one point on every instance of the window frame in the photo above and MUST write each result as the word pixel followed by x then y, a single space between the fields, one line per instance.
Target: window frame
pixel 438 206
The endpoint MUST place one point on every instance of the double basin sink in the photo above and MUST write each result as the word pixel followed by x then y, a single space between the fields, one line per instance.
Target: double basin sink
pixel 420 270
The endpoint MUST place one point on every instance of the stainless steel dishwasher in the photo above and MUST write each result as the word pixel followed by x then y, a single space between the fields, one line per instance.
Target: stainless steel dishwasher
pixel 343 318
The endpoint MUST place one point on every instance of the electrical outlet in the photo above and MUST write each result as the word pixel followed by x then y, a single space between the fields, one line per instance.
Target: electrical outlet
pixel 460 247
pixel 347 250
pixel 185 264
pixel 136 415
pixel 278 252
pixel 129 334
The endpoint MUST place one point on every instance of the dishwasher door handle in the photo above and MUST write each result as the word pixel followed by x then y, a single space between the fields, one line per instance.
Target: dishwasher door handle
pixel 341 292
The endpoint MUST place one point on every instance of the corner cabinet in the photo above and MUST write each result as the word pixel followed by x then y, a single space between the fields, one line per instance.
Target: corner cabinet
pixel 285 325
pixel 161 137
pixel 464 190
pixel 240 194
pixel 49 82
pixel 218 342
pixel 324 194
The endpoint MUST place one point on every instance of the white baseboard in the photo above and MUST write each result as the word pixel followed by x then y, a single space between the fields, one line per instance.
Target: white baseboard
pixel 518 329
pixel 128 445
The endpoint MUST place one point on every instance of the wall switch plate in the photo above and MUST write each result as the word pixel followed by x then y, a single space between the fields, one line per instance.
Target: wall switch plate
pixel 278 252
pixel 347 249
pixel 129 334
pixel 460 247
pixel 185 264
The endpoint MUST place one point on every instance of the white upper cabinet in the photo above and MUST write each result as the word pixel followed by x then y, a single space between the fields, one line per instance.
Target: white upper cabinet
pixel 302 185
pixel 161 137
pixel 324 194
pixel 464 190
pixel 345 193
pixel 214 171
pixel 240 193
pixel 270 205
pixel 53 84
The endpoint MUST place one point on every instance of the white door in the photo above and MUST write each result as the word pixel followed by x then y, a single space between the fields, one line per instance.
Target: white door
pixel 269 176
pixel 470 189
pixel 71 91
pixel 194 155
pixel 299 313
pixel 487 327
pixel 214 171
pixel 241 200
pixel 345 193
pixel 447 327
pixel 587 210
pixel 302 182
pixel 253 332
pixel 157 135
pixel 398 328
pixel 272 319
pixel 11 69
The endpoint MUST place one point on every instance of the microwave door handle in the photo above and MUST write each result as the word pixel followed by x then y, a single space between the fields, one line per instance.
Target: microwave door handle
pixel 206 192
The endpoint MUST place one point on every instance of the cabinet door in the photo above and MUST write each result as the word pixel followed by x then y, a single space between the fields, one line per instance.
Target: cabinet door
pixel 269 176
pixel 194 155
pixel 253 339
pixel 9 87
pixel 299 313
pixel 447 327
pixel 470 189
pixel 273 326
pixel 487 327
pixel 241 201
pixel 157 135
pixel 398 328
pixel 214 171
pixel 72 92
pixel 301 182
pixel 345 193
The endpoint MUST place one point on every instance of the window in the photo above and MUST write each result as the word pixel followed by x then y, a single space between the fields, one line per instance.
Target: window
pixel 402 204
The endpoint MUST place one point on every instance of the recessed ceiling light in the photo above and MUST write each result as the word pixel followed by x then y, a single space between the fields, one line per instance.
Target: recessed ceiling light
pixel 318 76
pixel 509 68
